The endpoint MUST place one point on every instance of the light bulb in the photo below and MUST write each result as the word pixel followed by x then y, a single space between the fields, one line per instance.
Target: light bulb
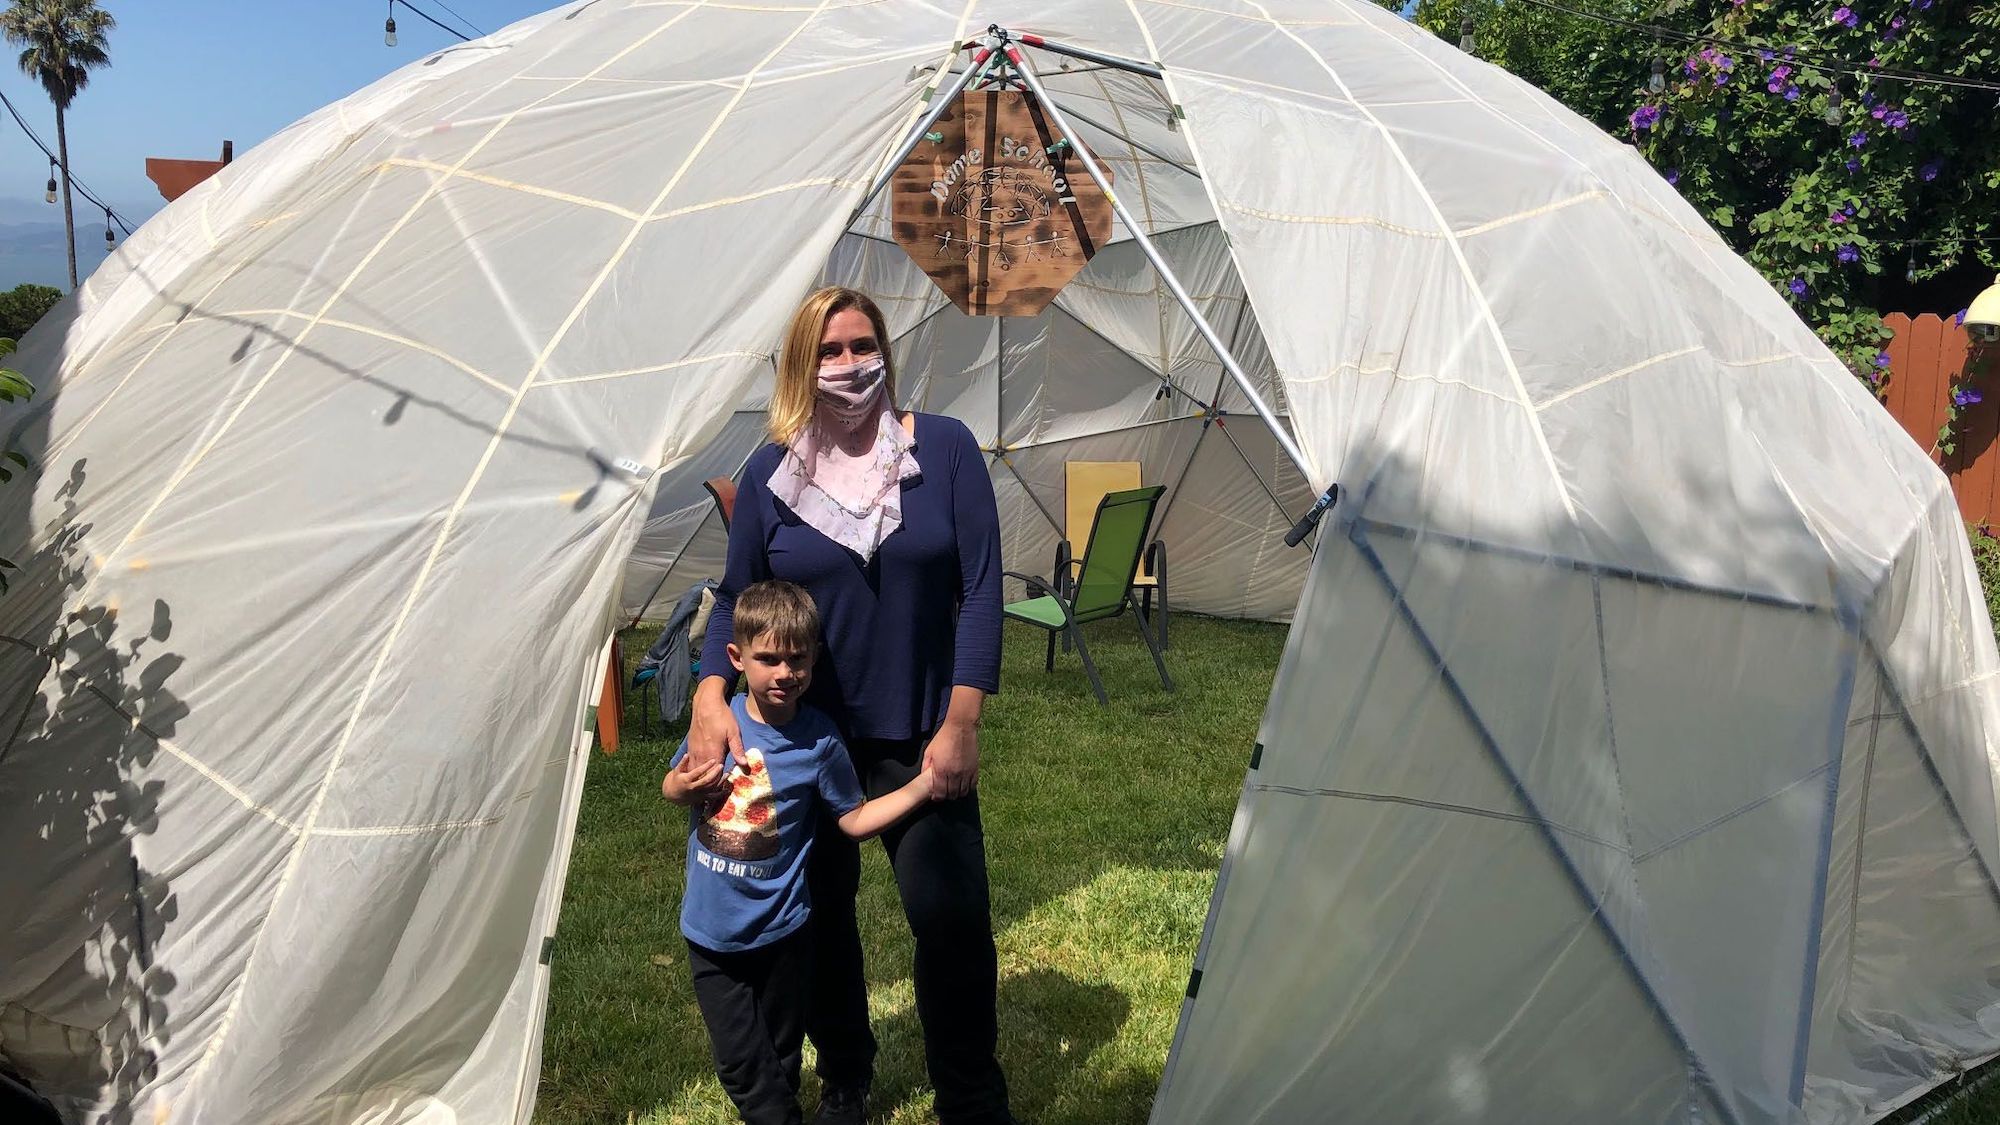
pixel 1833 114
pixel 1911 274
pixel 110 240
pixel 49 196
pixel 389 32
pixel 1465 42
pixel 1658 82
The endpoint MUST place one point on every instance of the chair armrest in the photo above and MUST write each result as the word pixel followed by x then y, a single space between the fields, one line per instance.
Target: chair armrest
pixel 1034 584
pixel 1156 559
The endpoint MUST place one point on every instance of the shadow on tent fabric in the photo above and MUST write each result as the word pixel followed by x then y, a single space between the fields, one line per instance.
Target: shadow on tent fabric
pixel 83 1007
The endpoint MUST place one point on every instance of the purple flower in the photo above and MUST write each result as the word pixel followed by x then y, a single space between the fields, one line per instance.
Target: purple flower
pixel 1930 170
pixel 1889 36
pixel 1645 117
pixel 1845 17
pixel 1875 377
pixel 1837 217
pixel 1897 119
pixel 1881 359
pixel 1964 396
pixel 1879 112
pixel 1722 78
pixel 1858 140
pixel 1959 318
pixel 1691 66
pixel 1791 93
pixel 1847 252
pixel 1853 164
pixel 1920 5
pixel 1725 62
pixel 1766 54
pixel 1897 22
pixel 1673 176
pixel 1797 285
pixel 1780 72
pixel 1867 98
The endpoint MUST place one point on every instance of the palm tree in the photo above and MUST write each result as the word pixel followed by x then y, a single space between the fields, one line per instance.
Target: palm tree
pixel 61 41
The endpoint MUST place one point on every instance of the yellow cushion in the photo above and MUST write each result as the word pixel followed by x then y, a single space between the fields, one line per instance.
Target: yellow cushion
pixel 1084 486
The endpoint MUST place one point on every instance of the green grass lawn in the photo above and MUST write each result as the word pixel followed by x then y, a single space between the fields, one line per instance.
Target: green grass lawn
pixel 1103 832
pixel 1104 828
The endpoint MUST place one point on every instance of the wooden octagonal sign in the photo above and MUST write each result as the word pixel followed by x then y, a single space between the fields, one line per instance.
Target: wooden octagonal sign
pixel 994 205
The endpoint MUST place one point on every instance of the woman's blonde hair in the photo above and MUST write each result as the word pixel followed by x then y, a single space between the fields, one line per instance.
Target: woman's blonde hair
pixel 798 363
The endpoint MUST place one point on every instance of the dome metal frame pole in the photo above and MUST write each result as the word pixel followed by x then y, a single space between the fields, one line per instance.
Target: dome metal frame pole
pixel 941 99
pixel 1018 65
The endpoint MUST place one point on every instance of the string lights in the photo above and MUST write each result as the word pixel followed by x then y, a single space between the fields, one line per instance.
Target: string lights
pixel 389 25
pixel 75 181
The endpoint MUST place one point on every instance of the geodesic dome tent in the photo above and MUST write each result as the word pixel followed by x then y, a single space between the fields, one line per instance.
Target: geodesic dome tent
pixel 1629 761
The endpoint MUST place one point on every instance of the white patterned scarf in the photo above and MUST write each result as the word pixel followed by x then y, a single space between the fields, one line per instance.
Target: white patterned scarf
pixel 853 499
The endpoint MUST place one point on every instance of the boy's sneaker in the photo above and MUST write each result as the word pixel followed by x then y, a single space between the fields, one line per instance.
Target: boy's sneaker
pixel 842 1105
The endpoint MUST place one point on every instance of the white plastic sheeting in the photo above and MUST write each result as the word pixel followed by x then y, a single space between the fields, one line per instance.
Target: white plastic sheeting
pixel 1631 755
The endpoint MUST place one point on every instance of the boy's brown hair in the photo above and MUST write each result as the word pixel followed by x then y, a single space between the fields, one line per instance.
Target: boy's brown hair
pixel 781 611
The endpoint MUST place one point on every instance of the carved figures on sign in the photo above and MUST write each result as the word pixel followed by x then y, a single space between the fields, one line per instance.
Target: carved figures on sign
pixel 996 208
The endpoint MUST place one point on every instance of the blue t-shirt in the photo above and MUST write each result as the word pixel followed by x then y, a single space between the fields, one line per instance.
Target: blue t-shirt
pixel 746 854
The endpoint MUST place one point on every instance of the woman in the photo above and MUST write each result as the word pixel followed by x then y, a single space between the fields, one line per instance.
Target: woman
pixel 887 517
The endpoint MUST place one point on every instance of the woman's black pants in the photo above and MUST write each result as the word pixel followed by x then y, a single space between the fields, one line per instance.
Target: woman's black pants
pixel 939 856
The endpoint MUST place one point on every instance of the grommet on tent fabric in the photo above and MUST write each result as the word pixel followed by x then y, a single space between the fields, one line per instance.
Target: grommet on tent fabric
pixel 548 950
pixel 1256 755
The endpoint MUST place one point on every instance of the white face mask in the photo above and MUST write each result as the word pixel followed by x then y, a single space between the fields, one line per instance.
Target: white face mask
pixel 851 393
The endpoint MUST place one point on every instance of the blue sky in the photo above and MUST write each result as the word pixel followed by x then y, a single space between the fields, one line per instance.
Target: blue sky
pixel 186 74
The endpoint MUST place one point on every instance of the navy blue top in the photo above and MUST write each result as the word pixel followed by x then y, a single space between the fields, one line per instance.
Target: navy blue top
pixel 899 632
pixel 747 853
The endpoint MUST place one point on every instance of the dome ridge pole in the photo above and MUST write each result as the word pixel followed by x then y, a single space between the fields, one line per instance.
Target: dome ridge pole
pixel 940 99
pixel 1017 64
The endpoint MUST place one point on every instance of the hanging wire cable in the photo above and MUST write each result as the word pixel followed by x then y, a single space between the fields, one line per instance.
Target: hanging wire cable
pixel 433 21
pixel 1796 58
pixel 454 14
pixel 74 182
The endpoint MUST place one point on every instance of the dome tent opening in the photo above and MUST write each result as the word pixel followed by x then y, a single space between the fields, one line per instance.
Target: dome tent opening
pixel 1632 732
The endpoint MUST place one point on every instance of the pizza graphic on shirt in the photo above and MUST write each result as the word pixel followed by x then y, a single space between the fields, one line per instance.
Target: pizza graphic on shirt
pixel 745 824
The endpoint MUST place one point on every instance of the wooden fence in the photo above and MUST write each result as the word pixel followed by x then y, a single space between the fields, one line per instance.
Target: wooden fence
pixel 1927 358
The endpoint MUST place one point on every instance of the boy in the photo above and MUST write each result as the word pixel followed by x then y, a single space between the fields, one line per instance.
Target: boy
pixel 745 911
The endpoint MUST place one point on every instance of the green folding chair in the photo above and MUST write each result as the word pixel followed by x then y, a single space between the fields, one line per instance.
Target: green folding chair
pixel 1103 584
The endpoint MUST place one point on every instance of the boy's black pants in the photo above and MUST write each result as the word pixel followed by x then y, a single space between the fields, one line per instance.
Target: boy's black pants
pixel 939 856
pixel 754 1004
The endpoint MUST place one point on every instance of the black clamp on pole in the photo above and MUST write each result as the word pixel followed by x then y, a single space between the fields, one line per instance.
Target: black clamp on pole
pixel 1310 520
